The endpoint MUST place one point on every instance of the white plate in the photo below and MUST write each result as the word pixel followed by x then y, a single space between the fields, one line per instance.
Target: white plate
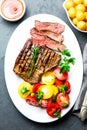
pixel 16 43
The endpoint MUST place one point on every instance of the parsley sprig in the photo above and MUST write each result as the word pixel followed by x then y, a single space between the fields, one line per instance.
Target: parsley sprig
pixel 67 60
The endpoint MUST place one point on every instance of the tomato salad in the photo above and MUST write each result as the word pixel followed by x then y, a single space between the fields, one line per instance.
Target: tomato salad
pixel 52 93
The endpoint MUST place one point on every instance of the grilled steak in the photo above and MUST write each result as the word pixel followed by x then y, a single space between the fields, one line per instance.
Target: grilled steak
pixel 34 60
pixel 43 40
pixel 53 27
pixel 55 36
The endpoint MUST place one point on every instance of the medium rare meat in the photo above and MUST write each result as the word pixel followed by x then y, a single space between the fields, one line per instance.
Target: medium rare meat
pixel 45 41
pixel 29 67
pixel 52 35
pixel 53 27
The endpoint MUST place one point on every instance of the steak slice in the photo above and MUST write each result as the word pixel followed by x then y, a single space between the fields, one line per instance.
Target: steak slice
pixel 55 36
pixel 45 41
pixel 53 27
pixel 30 69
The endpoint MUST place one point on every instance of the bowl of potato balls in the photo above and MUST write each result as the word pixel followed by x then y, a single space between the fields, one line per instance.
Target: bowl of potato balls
pixel 76 11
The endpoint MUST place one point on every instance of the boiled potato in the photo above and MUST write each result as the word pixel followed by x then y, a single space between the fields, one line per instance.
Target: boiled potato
pixel 78 1
pixel 81 25
pixel 69 4
pixel 85 3
pixel 75 21
pixel 72 12
pixel 86 25
pixel 77 11
pixel 85 14
pixel 80 15
pixel 80 7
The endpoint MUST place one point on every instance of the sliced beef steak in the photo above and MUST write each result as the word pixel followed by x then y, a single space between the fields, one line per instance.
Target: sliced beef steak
pixel 31 69
pixel 45 41
pixel 55 36
pixel 53 27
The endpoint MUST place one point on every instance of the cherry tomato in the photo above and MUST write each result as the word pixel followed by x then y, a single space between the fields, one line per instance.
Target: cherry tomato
pixel 48 78
pixel 58 82
pixel 47 90
pixel 46 102
pixel 67 84
pixel 24 89
pixel 32 100
pixel 36 87
pixel 55 90
pixel 54 110
pixel 63 100
pixel 59 75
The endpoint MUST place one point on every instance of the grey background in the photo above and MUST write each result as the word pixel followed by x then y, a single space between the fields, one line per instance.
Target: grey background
pixel 10 117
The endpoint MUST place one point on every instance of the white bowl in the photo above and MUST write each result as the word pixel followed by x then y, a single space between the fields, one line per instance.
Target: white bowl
pixel 13 19
pixel 71 20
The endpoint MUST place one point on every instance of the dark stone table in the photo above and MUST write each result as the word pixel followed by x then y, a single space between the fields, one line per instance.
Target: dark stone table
pixel 10 117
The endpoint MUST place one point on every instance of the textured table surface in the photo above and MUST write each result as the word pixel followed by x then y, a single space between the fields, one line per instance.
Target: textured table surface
pixel 10 117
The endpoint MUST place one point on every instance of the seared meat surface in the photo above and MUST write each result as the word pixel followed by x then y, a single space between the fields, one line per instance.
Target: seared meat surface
pixel 34 60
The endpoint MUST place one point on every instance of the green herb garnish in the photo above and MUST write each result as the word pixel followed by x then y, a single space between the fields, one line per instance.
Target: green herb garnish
pixel 39 95
pixel 67 60
pixel 66 52
pixel 35 52
pixel 40 102
pixel 32 94
pixel 57 114
pixel 24 90
pixel 63 88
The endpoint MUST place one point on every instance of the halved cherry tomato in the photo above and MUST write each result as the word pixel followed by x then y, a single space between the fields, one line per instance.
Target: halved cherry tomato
pixel 31 100
pixel 47 90
pixel 36 87
pixel 67 84
pixel 58 82
pixel 48 78
pixel 54 110
pixel 24 89
pixel 59 75
pixel 46 102
pixel 63 100
pixel 55 90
